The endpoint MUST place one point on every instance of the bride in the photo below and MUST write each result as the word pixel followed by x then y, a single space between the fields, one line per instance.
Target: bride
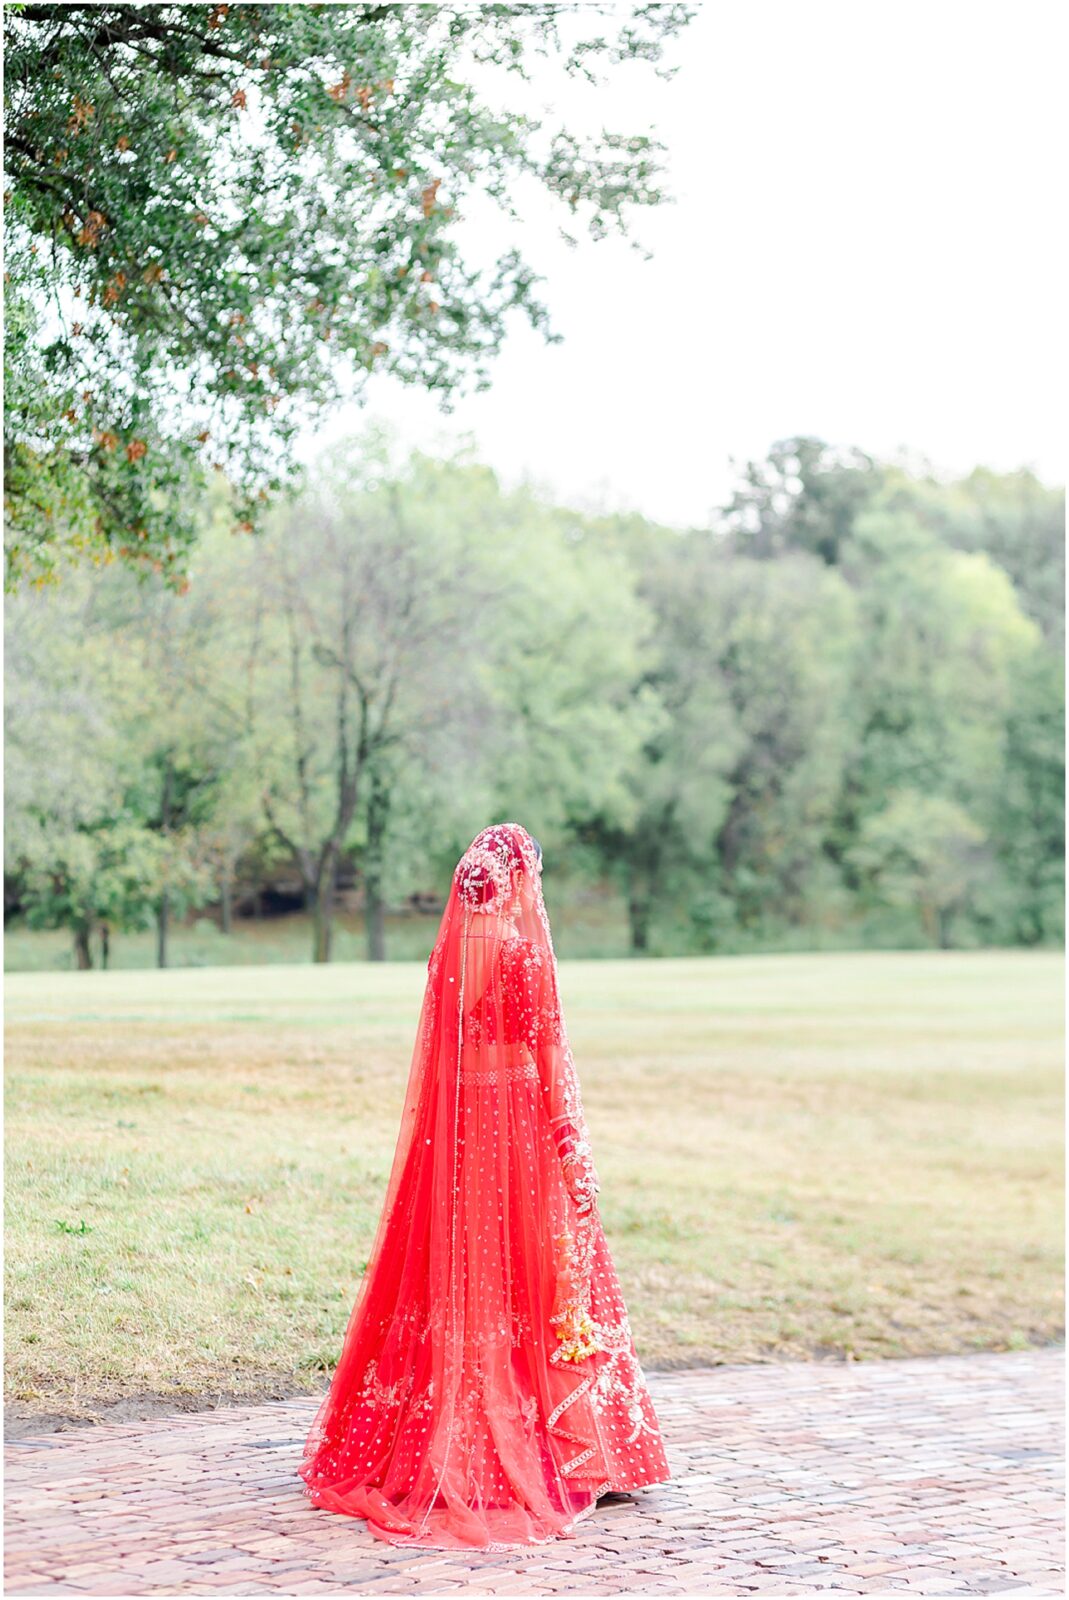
pixel 488 1391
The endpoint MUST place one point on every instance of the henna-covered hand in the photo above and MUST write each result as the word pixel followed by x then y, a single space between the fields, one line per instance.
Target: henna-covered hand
pixel 581 1182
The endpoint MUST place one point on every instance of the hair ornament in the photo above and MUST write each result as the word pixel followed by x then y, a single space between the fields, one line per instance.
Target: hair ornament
pixel 482 878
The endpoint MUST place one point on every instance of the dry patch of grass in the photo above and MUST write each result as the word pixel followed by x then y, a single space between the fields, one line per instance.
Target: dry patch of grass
pixel 800 1155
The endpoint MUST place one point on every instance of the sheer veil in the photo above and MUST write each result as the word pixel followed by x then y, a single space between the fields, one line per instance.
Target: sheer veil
pixel 487 1370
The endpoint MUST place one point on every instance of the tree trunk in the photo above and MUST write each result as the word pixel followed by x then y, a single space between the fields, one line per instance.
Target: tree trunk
pixel 323 912
pixel 163 915
pixel 83 955
pixel 376 926
pixel 322 929
pixel 105 946
pixel 226 901
pixel 638 914
pixel 377 812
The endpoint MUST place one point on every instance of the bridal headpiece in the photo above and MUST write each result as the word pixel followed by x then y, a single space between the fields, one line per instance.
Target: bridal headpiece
pixel 487 869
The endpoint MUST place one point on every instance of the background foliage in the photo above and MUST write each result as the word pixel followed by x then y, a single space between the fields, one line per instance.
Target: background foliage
pixel 833 718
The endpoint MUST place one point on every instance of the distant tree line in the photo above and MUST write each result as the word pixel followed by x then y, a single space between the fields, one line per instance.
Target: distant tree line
pixel 841 701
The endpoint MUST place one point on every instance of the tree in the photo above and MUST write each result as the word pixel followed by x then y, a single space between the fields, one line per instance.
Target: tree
pixel 804 497
pixel 748 671
pixel 79 839
pixel 1029 831
pixel 172 675
pixel 219 213
pixel 943 634
pixel 1012 518
pixel 572 636
pixel 355 642
pixel 788 645
pixel 422 632
pixel 677 780
pixel 102 877
pixel 924 852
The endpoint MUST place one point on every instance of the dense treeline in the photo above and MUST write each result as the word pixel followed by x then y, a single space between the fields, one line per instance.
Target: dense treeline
pixel 839 710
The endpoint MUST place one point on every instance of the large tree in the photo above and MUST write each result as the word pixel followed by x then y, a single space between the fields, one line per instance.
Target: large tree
pixel 173 673
pixel 1010 516
pixel 1029 828
pixel 925 853
pixel 355 635
pixel 217 213
pixel 945 644
pixel 737 779
pixel 678 777
pixel 804 496
pixel 403 661
pixel 102 774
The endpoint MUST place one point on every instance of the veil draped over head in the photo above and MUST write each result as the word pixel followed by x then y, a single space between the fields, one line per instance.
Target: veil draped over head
pixel 488 1390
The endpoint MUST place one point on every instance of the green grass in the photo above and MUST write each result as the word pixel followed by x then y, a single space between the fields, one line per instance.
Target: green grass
pixel 799 1155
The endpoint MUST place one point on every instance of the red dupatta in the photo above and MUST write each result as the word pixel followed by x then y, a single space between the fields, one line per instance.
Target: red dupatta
pixel 488 1390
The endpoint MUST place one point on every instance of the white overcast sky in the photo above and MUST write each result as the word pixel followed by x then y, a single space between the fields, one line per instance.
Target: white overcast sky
pixel 865 244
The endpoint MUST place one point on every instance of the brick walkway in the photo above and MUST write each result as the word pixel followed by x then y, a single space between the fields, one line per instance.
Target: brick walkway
pixel 938 1476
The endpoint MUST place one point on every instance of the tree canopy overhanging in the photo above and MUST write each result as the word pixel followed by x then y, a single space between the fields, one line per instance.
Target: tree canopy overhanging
pixel 220 215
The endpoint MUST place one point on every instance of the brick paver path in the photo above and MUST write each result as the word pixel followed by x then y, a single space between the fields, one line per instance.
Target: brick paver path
pixel 938 1476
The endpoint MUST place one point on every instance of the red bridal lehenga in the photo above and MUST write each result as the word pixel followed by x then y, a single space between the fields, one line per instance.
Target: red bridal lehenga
pixel 488 1390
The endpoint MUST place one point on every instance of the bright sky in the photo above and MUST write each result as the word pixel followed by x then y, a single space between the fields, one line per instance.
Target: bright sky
pixel 864 245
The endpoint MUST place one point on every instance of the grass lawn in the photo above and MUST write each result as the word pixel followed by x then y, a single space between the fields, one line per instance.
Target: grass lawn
pixel 800 1155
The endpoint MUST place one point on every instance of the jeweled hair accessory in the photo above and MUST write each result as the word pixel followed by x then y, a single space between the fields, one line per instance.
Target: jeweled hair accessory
pixel 492 860
pixel 482 877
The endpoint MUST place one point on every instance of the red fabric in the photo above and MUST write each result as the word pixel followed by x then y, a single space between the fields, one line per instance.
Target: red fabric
pixel 488 1389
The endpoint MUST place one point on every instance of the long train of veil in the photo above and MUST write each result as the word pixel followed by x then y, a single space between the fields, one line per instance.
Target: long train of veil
pixel 488 1390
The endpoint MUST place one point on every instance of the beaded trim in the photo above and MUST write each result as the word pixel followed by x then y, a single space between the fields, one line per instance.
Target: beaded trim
pixel 525 1072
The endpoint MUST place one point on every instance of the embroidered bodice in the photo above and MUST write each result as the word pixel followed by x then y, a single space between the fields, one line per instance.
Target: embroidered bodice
pixel 520 1008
